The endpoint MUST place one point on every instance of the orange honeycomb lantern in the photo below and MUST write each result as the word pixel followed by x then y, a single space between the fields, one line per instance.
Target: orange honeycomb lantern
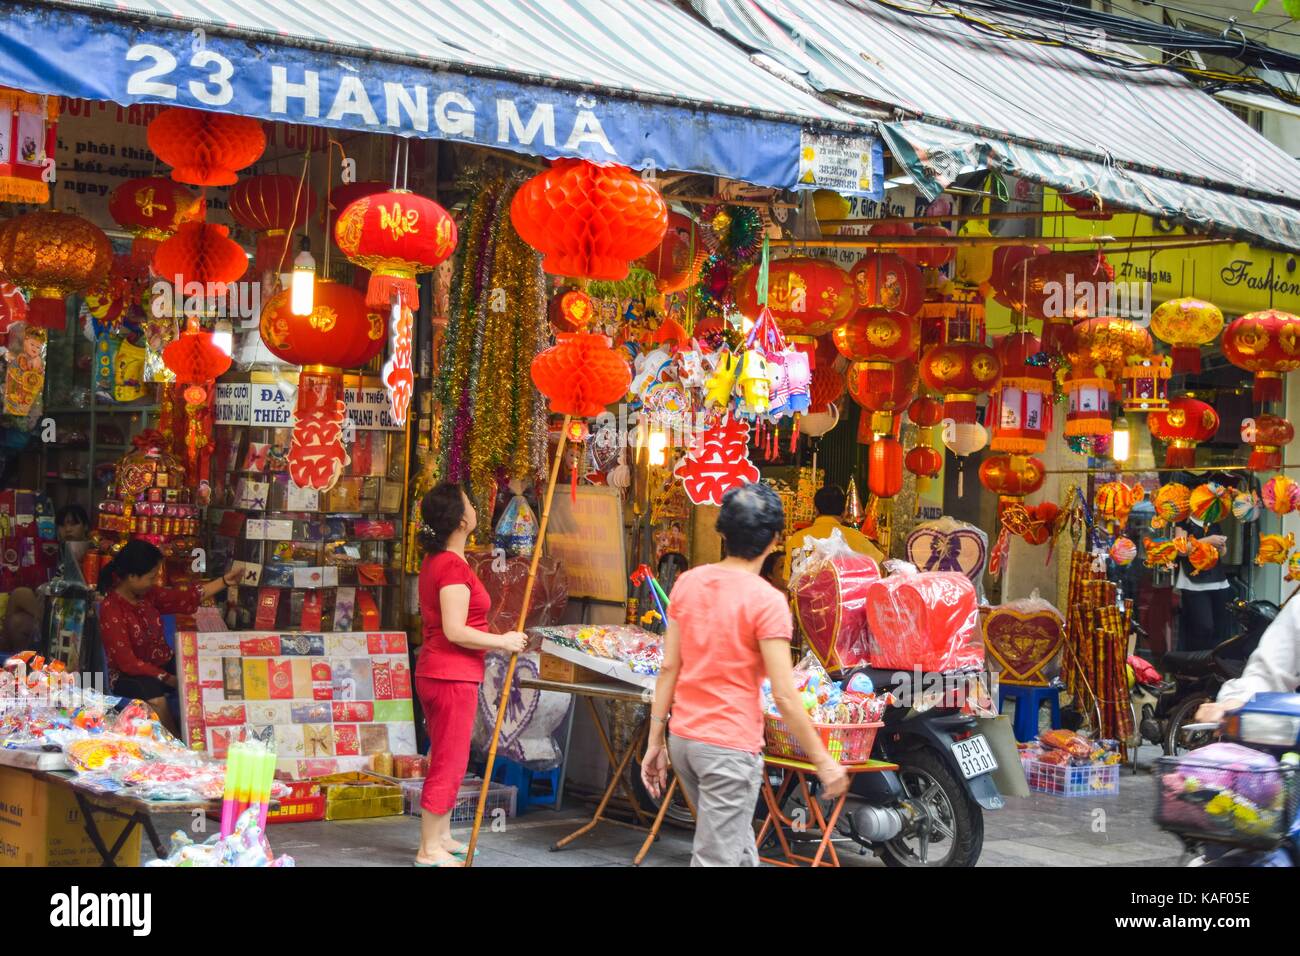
pixel 580 374
pixel 807 296
pixel 205 149
pixel 588 220
pixel 201 252
pixel 960 371
pixel 675 262
pixel 1267 435
pixel 1185 424
pixel 1012 477
pixel 396 235
pixel 152 208
pixel 878 337
pixel 1186 324
pixel 52 255
pixel 341 332
pixel 1266 343
pixel 194 357
pixel 272 206
pixel 884 389
pixel 885 467
pixel 1020 410
pixel 886 282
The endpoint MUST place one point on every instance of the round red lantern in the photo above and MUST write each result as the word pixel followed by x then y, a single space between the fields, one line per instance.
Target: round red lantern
pixel 883 388
pixel 878 336
pixel 894 229
pixel 52 255
pixel 581 375
pixel 1012 477
pixel 924 461
pixel 588 220
pixel 194 357
pixel 1058 285
pixel 1020 410
pixel 152 208
pixel 885 467
pixel 272 206
pixel 1266 343
pixel 1267 435
pixel 1186 324
pixel 886 282
pixel 201 252
pixel 925 412
pixel 341 332
pixel 1183 425
pixel 675 262
pixel 937 256
pixel 205 149
pixel 1007 277
pixel 826 387
pixel 959 371
pixel 808 297
pixel 396 235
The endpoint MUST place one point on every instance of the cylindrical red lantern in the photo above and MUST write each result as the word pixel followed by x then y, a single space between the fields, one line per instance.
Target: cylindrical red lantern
pixel 396 235
pixel 806 296
pixel 1266 343
pixel 341 332
pixel 937 256
pixel 886 282
pixel 878 337
pixel 201 252
pixel 152 208
pixel 1267 435
pixel 882 388
pixel 581 375
pixel 589 221
pixel 273 207
pixel 1089 393
pixel 885 467
pixel 1012 477
pixel 675 262
pixel 960 371
pixel 52 255
pixel 1020 410
pixel 1185 424
pixel 205 149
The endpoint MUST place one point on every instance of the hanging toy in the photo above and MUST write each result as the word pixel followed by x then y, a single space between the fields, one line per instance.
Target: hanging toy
pixel 1172 503
pixel 1161 555
pixel 1114 501
pixel 1293 567
pixel 1209 502
pixel 1281 495
pixel 1202 555
pixel 719 386
pixel 1246 506
pixel 755 384
pixel 1273 548
pixel 1123 551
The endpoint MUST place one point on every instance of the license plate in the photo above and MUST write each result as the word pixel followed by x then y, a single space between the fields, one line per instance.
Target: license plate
pixel 974 756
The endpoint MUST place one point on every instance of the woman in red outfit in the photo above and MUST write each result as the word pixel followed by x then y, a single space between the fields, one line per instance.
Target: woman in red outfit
pixel 140 663
pixel 454 609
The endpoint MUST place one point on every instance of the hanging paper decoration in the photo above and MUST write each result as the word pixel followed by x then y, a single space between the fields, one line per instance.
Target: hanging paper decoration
pixel 883 389
pixel 878 337
pixel 581 375
pixel 717 462
pixel 1267 435
pixel 396 235
pixel 1172 503
pixel 317 455
pixel 886 282
pixel 826 388
pixel 964 439
pixel 1281 495
pixel 272 206
pixel 960 371
pixel 151 208
pixel 885 467
pixel 1266 343
pixel 398 374
pixel 1273 548
pixel 205 149
pixel 203 253
pixel 924 462
pixel 1114 500
pixel 1186 423
pixel 1012 477
pixel 1187 324
pixel 13 309
pixel 52 255
pixel 808 297
pixel 1020 410
pixel 25 376
pixel 28 137
pixel 1088 410
pixel 196 361
pixel 1246 506
pixel 678 258
pixel 1201 555
pixel 1209 502
pixel 1145 383
pixel 1123 551
pixel 589 221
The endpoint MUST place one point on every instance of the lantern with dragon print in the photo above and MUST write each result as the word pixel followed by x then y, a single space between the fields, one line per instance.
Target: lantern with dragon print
pixel 272 207
pixel 1020 410
pixel 52 255
pixel 884 389
pixel 1267 435
pixel 397 235
pixel 960 371
pixel 1185 424
pixel 1185 325
pixel 808 297
pixel 152 208
pixel 1012 477
pixel 1268 344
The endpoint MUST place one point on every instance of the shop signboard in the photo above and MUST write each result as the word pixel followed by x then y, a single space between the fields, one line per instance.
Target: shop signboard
pixel 586 537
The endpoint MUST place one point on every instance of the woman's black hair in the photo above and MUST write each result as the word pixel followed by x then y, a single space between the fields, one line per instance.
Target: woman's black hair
pixel 750 519
pixel 441 511
pixel 74 511
pixel 136 557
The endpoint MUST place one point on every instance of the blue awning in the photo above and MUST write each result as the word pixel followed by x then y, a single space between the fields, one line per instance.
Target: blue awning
pixel 640 82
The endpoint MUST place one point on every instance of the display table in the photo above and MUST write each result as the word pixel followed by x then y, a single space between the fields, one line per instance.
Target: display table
pixel 797 773
pixel 618 762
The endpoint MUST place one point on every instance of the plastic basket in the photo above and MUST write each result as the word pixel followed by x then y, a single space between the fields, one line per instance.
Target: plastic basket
pixel 847 743
pixel 1246 807
pixel 1066 780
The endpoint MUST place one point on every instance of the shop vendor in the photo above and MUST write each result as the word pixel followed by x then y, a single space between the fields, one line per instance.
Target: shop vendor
pixel 140 664
pixel 829 503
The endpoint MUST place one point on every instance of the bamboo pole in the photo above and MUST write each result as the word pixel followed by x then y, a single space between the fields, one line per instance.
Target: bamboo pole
pixel 955 217
pixel 896 242
pixel 514 658
pixel 721 201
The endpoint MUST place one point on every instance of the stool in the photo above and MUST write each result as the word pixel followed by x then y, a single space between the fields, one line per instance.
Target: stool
pixel 1028 700
pixel 521 778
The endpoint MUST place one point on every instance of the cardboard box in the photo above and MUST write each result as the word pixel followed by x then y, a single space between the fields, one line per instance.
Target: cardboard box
pixel 567 672
pixel 41 825
pixel 359 796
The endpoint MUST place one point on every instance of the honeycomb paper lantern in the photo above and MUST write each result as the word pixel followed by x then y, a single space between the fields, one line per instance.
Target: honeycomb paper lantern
pixel 580 375
pixel 878 336
pixel 52 255
pixel 1185 424
pixel 588 220
pixel 205 149
pixel 1267 435
pixel 826 388
pixel 341 332
pixel 1185 325
pixel 1266 343
pixel 195 358
pixel 272 207
pixel 201 252
pixel 675 262
pixel 960 371
pixel 886 282
pixel 397 235
pixel 808 297
pixel 152 208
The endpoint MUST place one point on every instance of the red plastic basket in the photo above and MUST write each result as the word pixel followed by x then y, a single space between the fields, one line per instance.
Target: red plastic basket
pixel 847 743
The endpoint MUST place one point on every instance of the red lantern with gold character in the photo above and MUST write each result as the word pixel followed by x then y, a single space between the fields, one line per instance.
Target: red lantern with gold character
pixel 1266 343
pixel 396 235
pixel 1012 477
pixel 960 371
pixel 885 467
pixel 1020 410
pixel 1185 424
pixel 884 389
pixel 878 337
pixel 52 255
pixel 273 207
pixel 808 297
pixel 886 282
pixel 1267 435
pixel 205 149
pixel 152 208
pixel 580 374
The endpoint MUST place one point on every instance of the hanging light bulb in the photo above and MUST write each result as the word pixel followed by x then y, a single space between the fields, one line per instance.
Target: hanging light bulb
pixel 658 447
pixel 302 295
pixel 1120 441
pixel 223 336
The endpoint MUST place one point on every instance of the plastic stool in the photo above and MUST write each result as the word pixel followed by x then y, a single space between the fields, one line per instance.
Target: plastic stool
pixel 522 779
pixel 1028 701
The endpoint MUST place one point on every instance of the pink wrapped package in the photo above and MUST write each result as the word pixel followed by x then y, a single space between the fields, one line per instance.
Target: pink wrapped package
pixel 925 619
pixel 830 591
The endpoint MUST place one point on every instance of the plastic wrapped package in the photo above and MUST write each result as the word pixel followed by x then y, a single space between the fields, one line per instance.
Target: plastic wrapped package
pixel 505 579
pixel 1025 638
pixel 950 545
pixel 928 620
pixel 1228 792
pixel 1075 745
pixel 534 724
pixel 247 846
pixel 830 592
pixel 516 532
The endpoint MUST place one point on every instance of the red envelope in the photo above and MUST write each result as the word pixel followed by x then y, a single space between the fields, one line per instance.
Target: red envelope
pixel 347 743
pixel 401 681
pixel 281 680
pixel 353 710
pixel 260 647
pixel 383 679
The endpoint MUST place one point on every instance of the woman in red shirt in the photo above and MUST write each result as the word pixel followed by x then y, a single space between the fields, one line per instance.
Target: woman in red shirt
pixel 140 663
pixel 454 609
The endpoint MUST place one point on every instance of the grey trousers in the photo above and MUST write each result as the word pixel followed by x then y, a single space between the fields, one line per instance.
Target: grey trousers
pixel 723 786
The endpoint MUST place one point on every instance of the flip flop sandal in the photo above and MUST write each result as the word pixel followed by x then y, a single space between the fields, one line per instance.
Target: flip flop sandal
pixel 461 853
pixel 454 861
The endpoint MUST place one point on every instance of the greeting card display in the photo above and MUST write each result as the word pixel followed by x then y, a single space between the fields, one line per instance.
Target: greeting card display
pixel 830 587
pixel 928 620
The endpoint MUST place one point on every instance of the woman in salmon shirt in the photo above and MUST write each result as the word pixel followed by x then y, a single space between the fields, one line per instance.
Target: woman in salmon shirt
pixel 454 609
pixel 140 664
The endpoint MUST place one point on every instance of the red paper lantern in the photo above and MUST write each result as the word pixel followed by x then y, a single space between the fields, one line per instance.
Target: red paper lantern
pixel 885 467
pixel 1006 271
pixel 1058 285
pixel 924 461
pixel 152 208
pixel 195 358
pixel 1012 476
pixel 1020 410
pixel 675 262
pixel 52 255
pixel 1088 412
pixel 886 282
pixel 934 257
pixel 878 337
pixel 894 229
pixel 883 388
pixel 396 235
pixel 1185 424
pixel 581 375
pixel 925 412
pixel 1266 343
pixel 1267 435
pixel 807 297
pixel 341 332
pixel 826 387
pixel 317 455
pixel 960 371
pixel 1109 342
pixel 201 252
pixel 588 220
pixel 205 149
pixel 1086 205
pixel 273 207
pixel 571 311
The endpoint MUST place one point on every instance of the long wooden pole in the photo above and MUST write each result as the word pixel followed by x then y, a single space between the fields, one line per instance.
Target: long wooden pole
pixel 1155 243
pixel 514 658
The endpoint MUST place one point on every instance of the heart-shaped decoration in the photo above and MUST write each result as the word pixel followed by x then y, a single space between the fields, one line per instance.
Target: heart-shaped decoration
pixel 1023 643
pixel 522 704
pixel 830 596
pixel 949 545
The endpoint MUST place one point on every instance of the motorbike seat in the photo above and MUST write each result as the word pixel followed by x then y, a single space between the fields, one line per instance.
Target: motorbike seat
pixel 1189 663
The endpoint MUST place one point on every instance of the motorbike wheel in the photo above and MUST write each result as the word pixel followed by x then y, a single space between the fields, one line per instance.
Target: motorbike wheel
pixel 1178 741
pixel 678 811
pixel 955 816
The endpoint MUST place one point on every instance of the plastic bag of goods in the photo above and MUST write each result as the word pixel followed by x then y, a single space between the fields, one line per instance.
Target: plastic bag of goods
pixel 830 595
pixel 925 619
pixel 1228 791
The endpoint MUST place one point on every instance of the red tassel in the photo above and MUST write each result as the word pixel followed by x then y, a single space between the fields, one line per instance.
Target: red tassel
pixel 1180 457
pixel 382 288
pixel 1187 358
pixel 47 313
pixel 960 410
pixel 1268 387
pixel 794 436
